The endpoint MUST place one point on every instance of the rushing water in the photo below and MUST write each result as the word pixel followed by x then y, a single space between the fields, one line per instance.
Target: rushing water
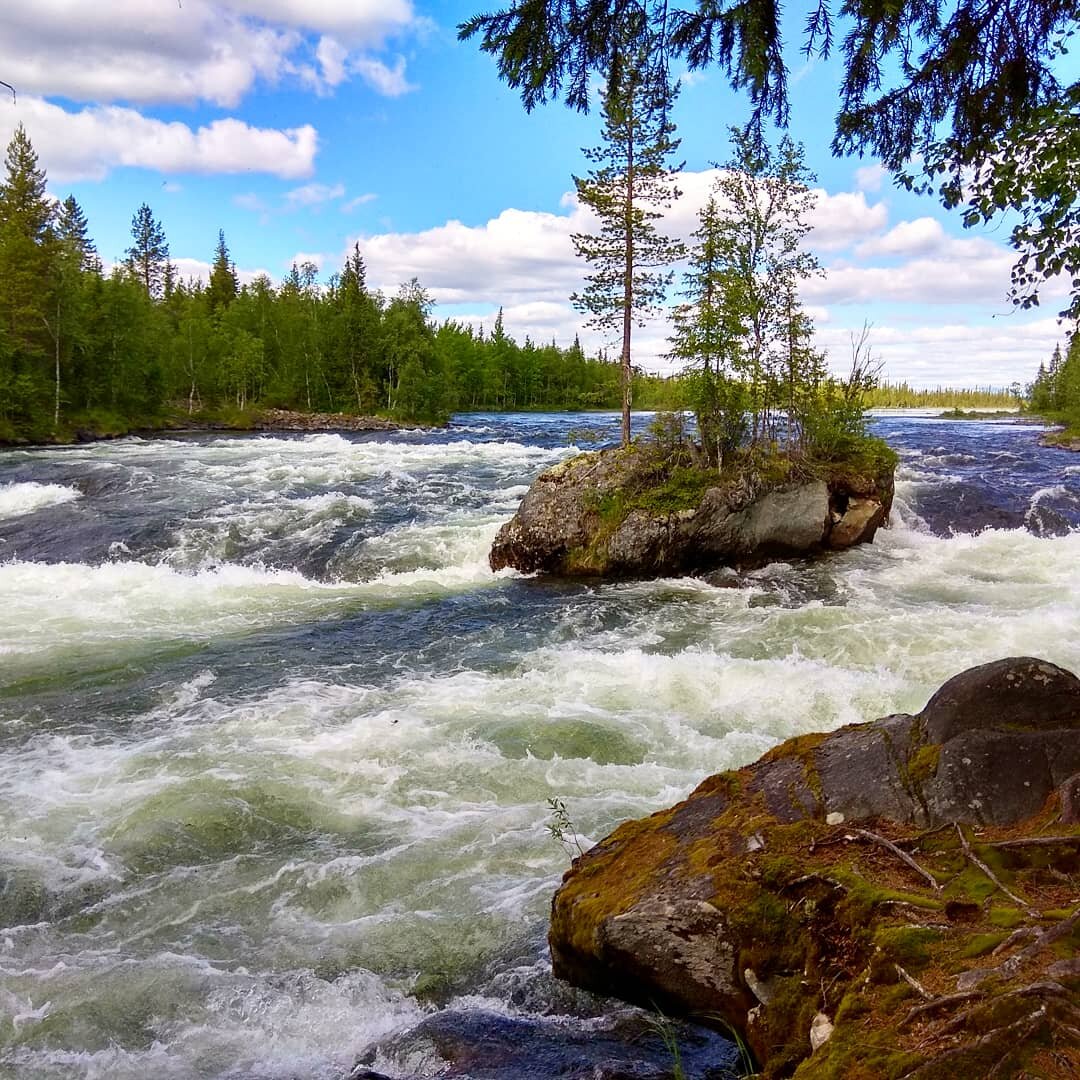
pixel 276 745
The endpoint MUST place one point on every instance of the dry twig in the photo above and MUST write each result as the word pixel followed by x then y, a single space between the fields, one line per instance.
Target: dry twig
pixel 1034 841
pixel 914 984
pixel 903 856
pixel 990 873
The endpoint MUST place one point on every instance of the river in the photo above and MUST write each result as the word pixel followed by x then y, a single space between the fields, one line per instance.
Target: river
pixel 276 746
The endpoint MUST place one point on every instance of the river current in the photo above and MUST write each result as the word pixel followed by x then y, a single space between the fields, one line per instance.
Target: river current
pixel 276 746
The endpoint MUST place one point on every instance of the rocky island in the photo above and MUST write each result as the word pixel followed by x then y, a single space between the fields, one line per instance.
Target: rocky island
pixel 632 512
pixel 899 898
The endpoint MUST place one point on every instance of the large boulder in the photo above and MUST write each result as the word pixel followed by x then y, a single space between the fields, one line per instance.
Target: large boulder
pixel 831 901
pixel 620 513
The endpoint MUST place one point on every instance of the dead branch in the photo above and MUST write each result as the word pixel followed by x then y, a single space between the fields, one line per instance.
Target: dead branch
pixel 903 856
pixel 990 873
pixel 1034 841
pixel 1047 937
pixel 914 984
pixel 1015 938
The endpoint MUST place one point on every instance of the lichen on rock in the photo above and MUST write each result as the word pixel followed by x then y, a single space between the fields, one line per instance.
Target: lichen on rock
pixel 911 880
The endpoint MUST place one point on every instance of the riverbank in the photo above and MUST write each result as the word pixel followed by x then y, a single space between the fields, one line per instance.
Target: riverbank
pixel 100 427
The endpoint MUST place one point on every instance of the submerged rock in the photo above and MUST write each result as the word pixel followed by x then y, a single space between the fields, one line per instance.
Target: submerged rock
pixel 865 876
pixel 621 513
pixel 492 1046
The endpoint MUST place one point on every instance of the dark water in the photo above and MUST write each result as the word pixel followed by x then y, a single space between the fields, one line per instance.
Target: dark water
pixel 275 745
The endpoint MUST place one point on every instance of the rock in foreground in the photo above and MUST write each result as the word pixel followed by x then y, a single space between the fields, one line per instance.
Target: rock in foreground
pixel 620 513
pixel 895 899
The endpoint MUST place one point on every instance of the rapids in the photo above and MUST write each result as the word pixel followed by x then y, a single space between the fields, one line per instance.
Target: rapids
pixel 276 745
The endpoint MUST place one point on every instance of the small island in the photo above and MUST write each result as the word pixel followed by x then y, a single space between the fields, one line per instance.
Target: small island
pixel 641 511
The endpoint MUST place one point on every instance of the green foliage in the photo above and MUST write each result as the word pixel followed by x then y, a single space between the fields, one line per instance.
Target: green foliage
pixel 754 374
pixel 82 350
pixel 561 827
pixel 981 93
pixel 1055 393
pixel 899 395
pixel 148 256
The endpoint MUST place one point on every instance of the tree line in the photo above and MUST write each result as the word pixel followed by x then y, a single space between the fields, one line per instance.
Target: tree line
pixel 1055 393
pixel 102 349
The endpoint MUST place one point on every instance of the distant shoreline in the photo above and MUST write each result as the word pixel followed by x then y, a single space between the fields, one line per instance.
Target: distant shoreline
pixel 264 420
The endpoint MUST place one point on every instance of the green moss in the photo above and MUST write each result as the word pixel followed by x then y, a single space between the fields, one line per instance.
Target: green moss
pixel 1007 917
pixel 906 945
pixel 981 944
pixel 923 763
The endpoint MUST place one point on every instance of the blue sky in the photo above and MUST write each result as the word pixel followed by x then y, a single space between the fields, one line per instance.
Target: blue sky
pixel 301 127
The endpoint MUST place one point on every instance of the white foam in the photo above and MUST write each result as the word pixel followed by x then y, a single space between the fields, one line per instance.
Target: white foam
pixel 19 499
pixel 67 609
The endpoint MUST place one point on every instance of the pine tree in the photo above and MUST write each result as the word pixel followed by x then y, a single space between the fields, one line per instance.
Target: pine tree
pixel 223 286
pixel 148 256
pixel 630 183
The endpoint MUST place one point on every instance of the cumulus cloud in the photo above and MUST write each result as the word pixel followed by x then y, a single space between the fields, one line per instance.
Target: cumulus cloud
pixel 149 51
pixel 950 288
pixel 954 353
pixel 199 270
pixel 88 144
pixel 917 237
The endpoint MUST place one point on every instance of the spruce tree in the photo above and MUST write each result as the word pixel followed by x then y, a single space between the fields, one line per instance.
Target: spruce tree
pixel 27 250
pixel 223 286
pixel 73 233
pixel 148 256
pixel 630 183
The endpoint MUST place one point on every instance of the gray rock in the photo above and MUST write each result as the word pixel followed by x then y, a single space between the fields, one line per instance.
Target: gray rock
pixel 1017 693
pixel 580 518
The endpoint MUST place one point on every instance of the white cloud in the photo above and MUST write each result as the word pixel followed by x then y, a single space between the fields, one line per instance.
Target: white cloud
pixel 313 195
pixel 356 203
pixel 917 237
pixel 90 143
pixel 199 270
pixel 361 21
pixel 955 353
pixel 154 51
pixel 332 55
pixel 952 275
pixel 870 177
pixel 946 287
pixel 390 82
pixel 171 187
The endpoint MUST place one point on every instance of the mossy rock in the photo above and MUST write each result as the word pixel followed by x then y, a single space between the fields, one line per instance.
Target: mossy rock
pixel 768 897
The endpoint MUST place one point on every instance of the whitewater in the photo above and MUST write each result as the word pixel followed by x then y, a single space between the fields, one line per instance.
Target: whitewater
pixel 276 745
